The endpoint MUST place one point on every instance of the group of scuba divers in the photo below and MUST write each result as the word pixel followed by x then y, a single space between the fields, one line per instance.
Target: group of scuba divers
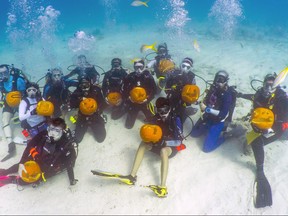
pixel 52 147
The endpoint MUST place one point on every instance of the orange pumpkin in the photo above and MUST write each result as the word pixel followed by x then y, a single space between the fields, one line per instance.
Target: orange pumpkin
pixel 262 118
pixel 150 133
pixel 33 172
pixel 114 98
pixel 13 98
pixel 166 65
pixel 45 108
pixel 88 106
pixel 190 93
pixel 138 94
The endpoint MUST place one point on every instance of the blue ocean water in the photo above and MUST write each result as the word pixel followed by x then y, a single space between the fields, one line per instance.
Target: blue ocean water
pixel 248 38
pixel 47 24
pixel 76 14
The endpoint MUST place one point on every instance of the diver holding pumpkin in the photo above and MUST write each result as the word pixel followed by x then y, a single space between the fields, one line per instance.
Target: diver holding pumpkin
pixel 162 53
pixel 162 136
pixel 269 120
pixel 181 87
pixel 12 86
pixel 112 83
pixel 161 65
pixel 30 120
pixel 50 152
pixel 138 89
pixel 89 99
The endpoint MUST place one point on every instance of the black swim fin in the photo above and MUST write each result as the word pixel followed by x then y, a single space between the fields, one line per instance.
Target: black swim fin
pixel 263 191
pixel 11 152
pixel 4 180
pixel 7 157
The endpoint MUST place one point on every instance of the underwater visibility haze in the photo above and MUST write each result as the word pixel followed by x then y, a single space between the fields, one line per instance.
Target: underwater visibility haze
pixel 247 38
pixel 49 26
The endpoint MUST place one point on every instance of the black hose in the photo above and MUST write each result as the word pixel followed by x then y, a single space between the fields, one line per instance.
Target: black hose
pixel 191 127
pixel 100 68
pixel 40 79
pixel 69 67
pixel 206 83
pixel 148 55
pixel 255 80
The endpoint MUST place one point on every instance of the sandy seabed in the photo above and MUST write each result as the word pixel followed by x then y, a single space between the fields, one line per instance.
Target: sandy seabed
pixel 220 182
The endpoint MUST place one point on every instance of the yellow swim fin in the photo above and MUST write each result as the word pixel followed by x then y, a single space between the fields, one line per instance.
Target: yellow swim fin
pixel 251 136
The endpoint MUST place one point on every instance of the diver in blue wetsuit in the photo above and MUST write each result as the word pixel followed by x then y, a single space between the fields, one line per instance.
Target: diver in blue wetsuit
pixel 217 107
pixel 12 86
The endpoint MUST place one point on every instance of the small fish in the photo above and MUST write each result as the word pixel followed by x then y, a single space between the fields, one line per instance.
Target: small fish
pixel 196 46
pixel 280 78
pixel 140 3
pixel 147 47
pixel 134 60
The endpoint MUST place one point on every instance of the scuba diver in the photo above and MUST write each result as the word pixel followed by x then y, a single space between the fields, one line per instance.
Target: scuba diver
pixel 56 90
pixel 84 70
pixel 267 98
pixel 53 150
pixel 161 65
pixel 89 100
pixel 217 107
pixel 30 120
pixel 139 89
pixel 162 136
pixel 112 83
pixel 12 86
pixel 175 83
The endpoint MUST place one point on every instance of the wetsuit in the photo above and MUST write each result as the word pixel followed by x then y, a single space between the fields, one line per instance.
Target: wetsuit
pixel 213 125
pixel 95 120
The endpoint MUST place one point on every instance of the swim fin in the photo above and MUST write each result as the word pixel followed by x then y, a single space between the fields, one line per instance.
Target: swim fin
pixel 11 151
pixel 130 180
pixel 8 156
pixel 158 190
pixel 263 191
pixel 7 180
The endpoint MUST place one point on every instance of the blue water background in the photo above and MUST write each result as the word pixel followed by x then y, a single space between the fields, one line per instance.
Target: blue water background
pixel 99 13
pixel 255 20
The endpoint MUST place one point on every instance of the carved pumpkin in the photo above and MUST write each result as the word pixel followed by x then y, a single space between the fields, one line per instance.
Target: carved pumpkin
pixel 262 118
pixel 114 98
pixel 190 93
pixel 13 98
pixel 151 133
pixel 166 65
pixel 45 108
pixel 33 172
pixel 88 106
pixel 138 94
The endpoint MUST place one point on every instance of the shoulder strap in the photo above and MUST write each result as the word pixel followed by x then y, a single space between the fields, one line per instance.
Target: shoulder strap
pixel 14 81
pixel 27 102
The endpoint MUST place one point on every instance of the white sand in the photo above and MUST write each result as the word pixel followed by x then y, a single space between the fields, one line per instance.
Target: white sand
pixel 220 182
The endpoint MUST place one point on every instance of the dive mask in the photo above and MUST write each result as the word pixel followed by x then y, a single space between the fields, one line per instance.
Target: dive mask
pixel 4 74
pixel 163 111
pixel 55 132
pixel 31 92
pixel 185 67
